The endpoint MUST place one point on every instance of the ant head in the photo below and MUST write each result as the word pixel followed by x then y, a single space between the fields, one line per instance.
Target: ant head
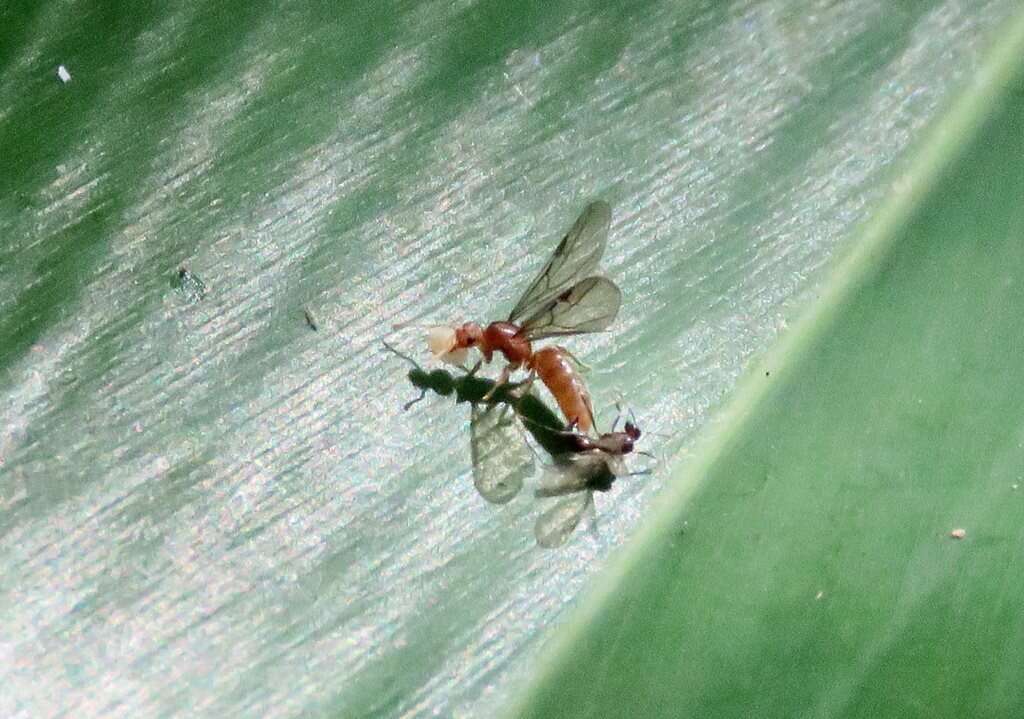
pixel 627 445
pixel 632 431
pixel 469 335
pixel 444 345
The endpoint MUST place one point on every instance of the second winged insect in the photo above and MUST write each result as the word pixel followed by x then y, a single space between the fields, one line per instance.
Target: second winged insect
pixel 592 464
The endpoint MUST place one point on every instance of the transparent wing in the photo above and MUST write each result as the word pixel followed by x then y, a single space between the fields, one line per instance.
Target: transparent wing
pixel 590 305
pixel 558 522
pixel 501 458
pixel 574 473
pixel 575 257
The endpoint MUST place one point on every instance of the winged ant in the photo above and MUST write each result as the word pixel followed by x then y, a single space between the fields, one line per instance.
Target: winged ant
pixel 566 298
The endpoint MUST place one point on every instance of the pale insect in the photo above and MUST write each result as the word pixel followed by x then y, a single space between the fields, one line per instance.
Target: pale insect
pixel 592 465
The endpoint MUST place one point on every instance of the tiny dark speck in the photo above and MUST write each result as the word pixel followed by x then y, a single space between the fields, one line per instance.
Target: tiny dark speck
pixel 189 285
pixel 767 373
pixel 310 321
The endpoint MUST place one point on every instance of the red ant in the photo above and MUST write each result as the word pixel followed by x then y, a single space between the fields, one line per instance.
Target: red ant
pixel 566 298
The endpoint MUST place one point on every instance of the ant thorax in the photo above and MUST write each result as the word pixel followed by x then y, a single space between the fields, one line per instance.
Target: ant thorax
pixel 505 337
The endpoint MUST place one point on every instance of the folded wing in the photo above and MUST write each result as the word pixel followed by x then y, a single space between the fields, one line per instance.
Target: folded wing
pixel 501 459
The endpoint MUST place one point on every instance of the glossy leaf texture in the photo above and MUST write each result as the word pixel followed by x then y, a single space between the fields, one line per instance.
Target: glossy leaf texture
pixel 847 544
pixel 212 501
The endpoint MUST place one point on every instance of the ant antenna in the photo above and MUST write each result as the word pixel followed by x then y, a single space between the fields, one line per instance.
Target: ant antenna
pixel 657 462
pixel 406 357
pixel 404 325
pixel 618 406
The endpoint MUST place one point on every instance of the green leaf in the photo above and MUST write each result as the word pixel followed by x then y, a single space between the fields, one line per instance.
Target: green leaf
pixel 211 501
pixel 845 544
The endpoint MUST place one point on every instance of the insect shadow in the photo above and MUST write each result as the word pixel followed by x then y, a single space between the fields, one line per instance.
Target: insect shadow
pixel 501 459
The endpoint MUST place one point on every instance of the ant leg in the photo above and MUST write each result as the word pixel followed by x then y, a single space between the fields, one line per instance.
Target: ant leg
pixel 546 428
pixel 502 379
pixel 471 372
pixel 618 417
pixel 656 463
pixel 407 405
pixel 620 400
pixel 525 386
pixel 636 474
pixel 536 455
pixel 580 365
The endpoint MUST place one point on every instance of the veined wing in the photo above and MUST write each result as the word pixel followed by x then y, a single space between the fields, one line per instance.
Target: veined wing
pixel 575 257
pixel 575 472
pixel 591 305
pixel 555 525
pixel 501 459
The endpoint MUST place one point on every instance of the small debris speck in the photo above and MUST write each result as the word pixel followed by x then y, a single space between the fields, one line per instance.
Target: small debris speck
pixel 819 595
pixel 189 285
pixel 310 321
pixel 63 74
pixel 958 533
pixel 1014 486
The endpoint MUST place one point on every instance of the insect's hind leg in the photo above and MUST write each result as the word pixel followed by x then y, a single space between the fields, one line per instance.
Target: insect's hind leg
pixel 471 371
pixel 580 364
pixel 525 386
pixel 501 381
